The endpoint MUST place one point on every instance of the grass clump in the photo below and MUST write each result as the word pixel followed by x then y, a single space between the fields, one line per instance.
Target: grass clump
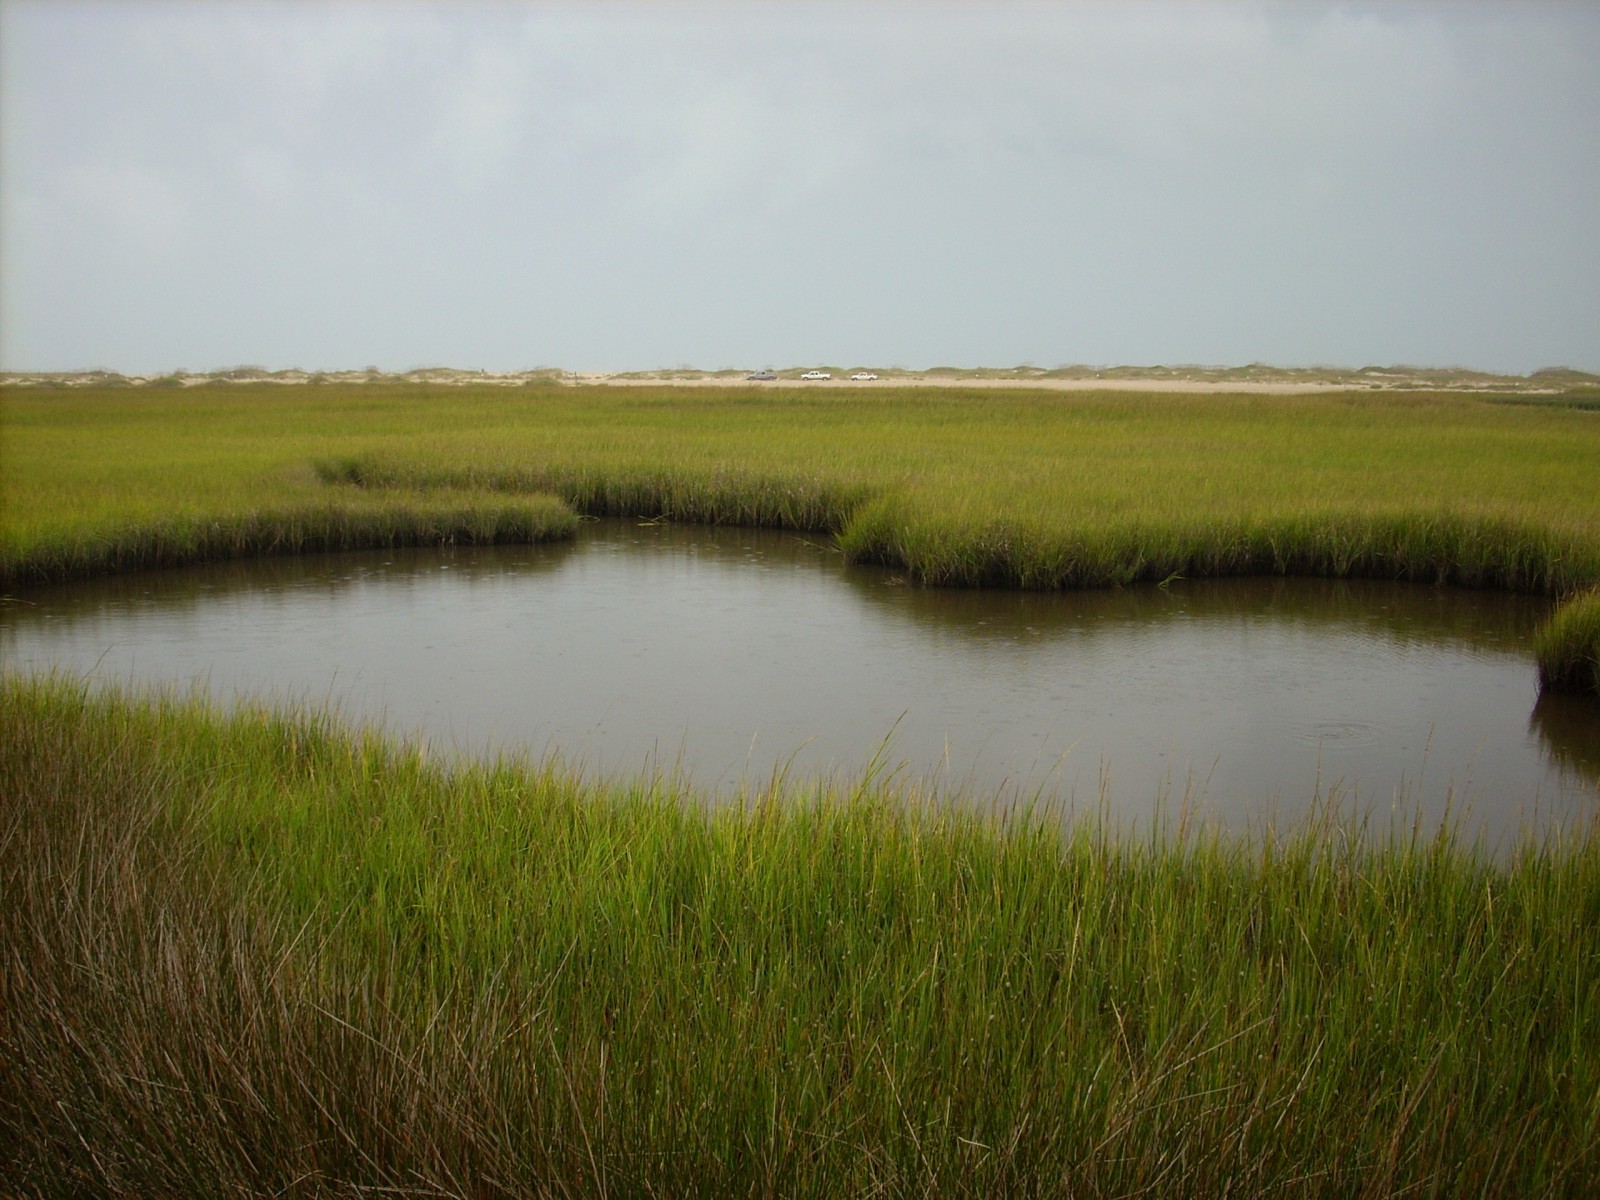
pixel 262 954
pixel 1568 646
pixel 66 549
pixel 967 549
pixel 714 494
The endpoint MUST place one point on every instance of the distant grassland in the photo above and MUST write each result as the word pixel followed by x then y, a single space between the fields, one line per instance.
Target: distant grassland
pixel 1014 488
pixel 1037 489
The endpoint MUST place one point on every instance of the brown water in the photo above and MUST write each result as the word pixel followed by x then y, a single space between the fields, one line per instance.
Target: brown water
pixel 726 654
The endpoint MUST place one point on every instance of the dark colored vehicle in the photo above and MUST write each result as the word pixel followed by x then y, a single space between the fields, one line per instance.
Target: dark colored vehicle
pixel 763 375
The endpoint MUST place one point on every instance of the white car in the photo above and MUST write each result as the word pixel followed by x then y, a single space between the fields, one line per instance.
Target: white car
pixel 816 375
pixel 863 376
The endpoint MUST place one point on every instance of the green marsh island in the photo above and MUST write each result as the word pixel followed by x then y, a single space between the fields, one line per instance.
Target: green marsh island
pixel 257 950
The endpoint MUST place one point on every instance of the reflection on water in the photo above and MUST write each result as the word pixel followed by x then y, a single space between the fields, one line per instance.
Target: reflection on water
pixel 1570 727
pixel 728 654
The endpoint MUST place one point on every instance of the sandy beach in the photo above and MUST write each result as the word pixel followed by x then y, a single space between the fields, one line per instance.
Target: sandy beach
pixel 1156 384
pixel 1253 380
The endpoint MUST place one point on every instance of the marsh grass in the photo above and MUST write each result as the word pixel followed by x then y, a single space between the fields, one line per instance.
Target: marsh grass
pixel 261 954
pixel 1441 547
pixel 63 549
pixel 967 488
pixel 1036 489
pixel 119 479
pixel 1568 646
pixel 721 494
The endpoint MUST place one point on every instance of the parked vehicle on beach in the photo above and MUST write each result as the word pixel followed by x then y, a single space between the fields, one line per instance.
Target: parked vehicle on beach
pixel 761 375
pixel 863 376
pixel 816 375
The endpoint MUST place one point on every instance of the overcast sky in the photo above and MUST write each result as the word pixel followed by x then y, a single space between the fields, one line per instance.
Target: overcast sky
pixel 613 186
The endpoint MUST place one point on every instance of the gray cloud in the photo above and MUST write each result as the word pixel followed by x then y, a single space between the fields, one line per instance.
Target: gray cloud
pixel 630 185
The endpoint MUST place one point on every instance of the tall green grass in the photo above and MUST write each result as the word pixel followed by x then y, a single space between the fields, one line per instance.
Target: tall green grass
pixel 1421 484
pixel 1441 546
pixel 63 550
pixel 259 954
pixel 711 494
pixel 1568 646
pixel 121 479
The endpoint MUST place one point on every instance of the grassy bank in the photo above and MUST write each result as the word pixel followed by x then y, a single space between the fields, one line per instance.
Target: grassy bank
pixel 1568 646
pixel 118 480
pixel 324 522
pixel 1041 490
pixel 261 955
pixel 1037 489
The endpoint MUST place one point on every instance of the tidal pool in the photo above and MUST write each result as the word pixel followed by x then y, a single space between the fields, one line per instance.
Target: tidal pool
pixel 726 655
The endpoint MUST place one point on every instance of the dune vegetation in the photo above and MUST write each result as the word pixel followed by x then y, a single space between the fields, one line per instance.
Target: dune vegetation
pixel 258 953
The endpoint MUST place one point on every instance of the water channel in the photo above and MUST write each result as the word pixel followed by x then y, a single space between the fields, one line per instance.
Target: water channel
pixel 727 654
